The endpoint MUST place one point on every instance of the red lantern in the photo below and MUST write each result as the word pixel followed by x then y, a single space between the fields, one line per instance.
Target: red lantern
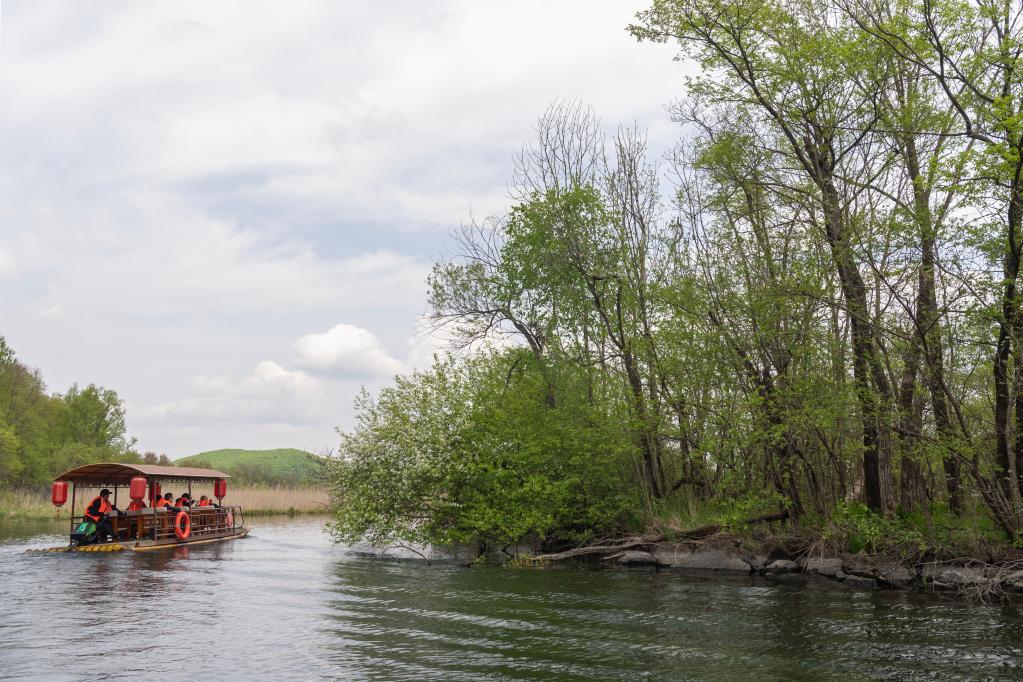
pixel 154 492
pixel 220 488
pixel 58 495
pixel 137 488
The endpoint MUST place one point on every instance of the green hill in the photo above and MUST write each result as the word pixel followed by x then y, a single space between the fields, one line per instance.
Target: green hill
pixel 285 466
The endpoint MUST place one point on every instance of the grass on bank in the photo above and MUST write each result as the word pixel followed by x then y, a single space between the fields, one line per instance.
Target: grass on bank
pixel 254 500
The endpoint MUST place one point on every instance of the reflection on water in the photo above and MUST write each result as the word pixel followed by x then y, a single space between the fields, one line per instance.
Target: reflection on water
pixel 286 603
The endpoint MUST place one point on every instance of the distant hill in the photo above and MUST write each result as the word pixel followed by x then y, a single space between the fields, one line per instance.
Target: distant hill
pixel 285 466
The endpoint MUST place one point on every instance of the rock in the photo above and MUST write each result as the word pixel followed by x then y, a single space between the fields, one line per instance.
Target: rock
pixel 953 576
pixel 857 565
pixel 636 558
pixel 712 561
pixel 831 568
pixel 782 566
pixel 896 574
pixel 1014 581
pixel 756 561
pixel 860 582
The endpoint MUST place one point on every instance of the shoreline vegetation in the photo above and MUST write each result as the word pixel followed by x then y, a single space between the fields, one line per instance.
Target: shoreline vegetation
pixel 811 307
pixel 254 500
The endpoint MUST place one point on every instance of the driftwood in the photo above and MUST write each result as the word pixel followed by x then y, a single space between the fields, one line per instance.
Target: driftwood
pixel 647 540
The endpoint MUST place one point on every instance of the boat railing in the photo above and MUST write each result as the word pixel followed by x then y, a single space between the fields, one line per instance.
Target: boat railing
pixel 159 524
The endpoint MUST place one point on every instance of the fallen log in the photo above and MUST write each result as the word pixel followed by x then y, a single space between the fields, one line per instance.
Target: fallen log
pixel 601 549
pixel 647 540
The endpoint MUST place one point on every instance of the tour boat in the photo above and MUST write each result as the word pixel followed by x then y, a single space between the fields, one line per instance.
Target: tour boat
pixel 151 527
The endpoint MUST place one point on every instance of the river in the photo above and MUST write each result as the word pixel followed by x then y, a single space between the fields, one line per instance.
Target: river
pixel 286 603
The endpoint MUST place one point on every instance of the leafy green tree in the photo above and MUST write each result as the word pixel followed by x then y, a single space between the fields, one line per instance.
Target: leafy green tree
pixel 471 452
pixel 94 416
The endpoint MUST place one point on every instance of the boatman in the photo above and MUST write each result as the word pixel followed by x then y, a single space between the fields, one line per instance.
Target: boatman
pixel 97 513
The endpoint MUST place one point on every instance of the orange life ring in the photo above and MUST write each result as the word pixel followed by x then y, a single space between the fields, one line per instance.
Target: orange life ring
pixel 182 533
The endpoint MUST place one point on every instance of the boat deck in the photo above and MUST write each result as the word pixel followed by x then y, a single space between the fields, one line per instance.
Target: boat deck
pixel 149 545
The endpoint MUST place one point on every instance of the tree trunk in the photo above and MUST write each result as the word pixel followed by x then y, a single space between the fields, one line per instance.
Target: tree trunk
pixel 874 401
pixel 928 328
pixel 912 492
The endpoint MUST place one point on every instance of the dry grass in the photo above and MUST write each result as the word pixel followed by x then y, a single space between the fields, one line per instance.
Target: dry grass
pixel 255 500
pixel 15 504
pixel 18 504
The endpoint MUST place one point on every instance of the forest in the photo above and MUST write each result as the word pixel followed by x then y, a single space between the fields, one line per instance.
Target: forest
pixel 42 434
pixel 810 304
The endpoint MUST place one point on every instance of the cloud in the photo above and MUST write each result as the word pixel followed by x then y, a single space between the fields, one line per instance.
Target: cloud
pixel 54 310
pixel 6 263
pixel 426 342
pixel 270 393
pixel 345 350
pixel 196 185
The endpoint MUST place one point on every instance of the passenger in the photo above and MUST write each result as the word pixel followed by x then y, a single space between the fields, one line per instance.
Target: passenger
pixel 165 502
pixel 207 502
pixel 184 501
pixel 136 505
pixel 97 513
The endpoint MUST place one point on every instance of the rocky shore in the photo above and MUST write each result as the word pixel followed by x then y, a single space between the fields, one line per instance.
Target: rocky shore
pixel 855 570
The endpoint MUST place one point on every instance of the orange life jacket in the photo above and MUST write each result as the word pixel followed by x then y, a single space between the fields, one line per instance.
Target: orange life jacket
pixel 205 503
pixel 104 507
pixel 181 502
pixel 136 505
pixel 161 503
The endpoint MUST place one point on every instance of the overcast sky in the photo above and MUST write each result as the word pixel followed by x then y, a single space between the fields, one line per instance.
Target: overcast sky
pixel 226 211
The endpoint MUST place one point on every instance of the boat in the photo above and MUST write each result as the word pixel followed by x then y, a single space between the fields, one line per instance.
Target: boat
pixel 150 528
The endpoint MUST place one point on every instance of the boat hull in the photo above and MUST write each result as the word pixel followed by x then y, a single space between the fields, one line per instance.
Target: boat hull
pixel 152 545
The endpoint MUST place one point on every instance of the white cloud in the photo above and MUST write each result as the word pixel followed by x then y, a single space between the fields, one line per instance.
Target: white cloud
pixel 270 393
pixel 195 185
pixel 345 350
pixel 425 342
pixel 6 262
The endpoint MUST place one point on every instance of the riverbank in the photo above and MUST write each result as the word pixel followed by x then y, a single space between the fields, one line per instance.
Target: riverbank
pixel 785 556
pixel 255 500
pixel 969 577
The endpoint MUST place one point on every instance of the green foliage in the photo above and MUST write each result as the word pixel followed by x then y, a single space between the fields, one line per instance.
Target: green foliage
pixel 813 323
pixel 737 511
pixel 43 435
pixel 471 451
pixel 867 530
pixel 283 466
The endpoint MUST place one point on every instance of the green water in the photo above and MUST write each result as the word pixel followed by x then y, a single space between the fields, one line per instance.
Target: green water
pixel 286 604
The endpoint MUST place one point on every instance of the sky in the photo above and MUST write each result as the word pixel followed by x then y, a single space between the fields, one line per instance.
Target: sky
pixel 226 211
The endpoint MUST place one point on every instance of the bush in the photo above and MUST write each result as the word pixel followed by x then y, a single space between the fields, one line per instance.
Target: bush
pixel 471 452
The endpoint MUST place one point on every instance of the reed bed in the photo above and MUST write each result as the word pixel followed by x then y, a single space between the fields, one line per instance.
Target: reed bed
pixel 255 500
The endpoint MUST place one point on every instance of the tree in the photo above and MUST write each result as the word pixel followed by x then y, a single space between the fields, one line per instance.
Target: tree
pixel 94 416
pixel 470 452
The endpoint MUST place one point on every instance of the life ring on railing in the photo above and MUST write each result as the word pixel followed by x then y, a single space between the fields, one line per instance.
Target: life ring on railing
pixel 182 532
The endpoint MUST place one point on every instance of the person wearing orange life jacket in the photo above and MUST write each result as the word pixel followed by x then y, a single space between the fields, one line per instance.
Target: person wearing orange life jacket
pixel 184 501
pixel 207 502
pixel 165 502
pixel 97 513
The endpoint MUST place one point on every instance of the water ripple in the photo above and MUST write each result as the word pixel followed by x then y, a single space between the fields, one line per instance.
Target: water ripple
pixel 287 604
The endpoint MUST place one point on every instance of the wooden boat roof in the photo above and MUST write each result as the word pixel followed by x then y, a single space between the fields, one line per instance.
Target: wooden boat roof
pixel 120 474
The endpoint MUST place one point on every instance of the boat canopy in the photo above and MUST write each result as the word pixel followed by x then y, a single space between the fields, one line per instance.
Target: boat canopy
pixel 109 473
